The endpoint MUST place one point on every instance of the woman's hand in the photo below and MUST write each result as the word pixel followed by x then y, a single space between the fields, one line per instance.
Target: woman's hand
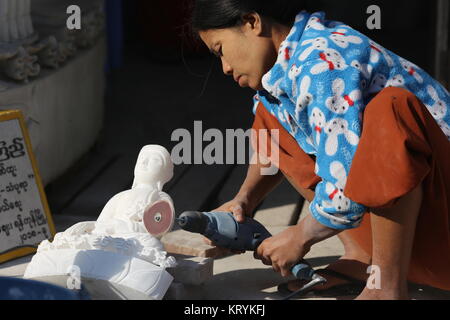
pixel 283 251
pixel 240 207
pixel 286 249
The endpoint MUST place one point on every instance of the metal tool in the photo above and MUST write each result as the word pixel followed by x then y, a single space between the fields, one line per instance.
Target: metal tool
pixel 159 218
pixel 223 229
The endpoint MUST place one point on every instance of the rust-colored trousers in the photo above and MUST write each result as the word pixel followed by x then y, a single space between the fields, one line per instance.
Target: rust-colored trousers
pixel 401 147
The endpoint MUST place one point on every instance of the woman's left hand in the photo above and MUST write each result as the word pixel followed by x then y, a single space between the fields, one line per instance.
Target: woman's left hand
pixel 283 251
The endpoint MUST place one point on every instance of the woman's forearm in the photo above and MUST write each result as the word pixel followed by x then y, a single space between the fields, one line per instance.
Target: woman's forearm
pixel 257 186
pixel 312 231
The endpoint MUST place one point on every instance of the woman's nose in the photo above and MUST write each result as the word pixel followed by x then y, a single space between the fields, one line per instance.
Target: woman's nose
pixel 226 68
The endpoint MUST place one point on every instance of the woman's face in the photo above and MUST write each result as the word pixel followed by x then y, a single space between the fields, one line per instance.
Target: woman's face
pixel 245 53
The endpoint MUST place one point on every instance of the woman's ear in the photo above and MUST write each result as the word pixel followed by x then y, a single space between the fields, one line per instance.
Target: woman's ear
pixel 252 22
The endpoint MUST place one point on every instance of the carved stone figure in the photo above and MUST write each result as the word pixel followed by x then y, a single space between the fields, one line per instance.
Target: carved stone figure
pixel 37 36
pixel 17 63
pixel 120 231
pixel 15 21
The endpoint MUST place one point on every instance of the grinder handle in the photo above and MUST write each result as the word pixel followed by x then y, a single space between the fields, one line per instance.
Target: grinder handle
pixel 303 271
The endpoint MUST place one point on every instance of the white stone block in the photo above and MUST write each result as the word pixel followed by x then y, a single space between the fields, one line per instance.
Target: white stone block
pixel 192 270
pixel 116 268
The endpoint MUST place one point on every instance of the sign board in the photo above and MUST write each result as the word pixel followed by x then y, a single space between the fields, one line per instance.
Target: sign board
pixel 25 218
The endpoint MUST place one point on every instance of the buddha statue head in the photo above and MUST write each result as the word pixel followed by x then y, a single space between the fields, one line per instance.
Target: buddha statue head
pixel 154 167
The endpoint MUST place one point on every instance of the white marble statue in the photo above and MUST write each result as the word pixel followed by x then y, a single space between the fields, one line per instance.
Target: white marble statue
pixel 119 230
pixel 153 169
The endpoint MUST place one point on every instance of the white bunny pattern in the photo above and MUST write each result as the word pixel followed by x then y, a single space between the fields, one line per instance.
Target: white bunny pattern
pixel 332 60
pixel 315 23
pixel 376 52
pixel 317 122
pixel 342 40
pixel 304 98
pixel 334 129
pixel 294 72
pixel 439 110
pixel 315 44
pixel 340 102
pixel 336 203
pixel 411 68
pixel 338 200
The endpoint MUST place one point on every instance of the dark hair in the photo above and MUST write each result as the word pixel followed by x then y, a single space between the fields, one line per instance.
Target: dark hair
pixel 221 14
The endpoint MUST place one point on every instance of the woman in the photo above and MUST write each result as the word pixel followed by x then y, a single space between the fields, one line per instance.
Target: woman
pixel 364 136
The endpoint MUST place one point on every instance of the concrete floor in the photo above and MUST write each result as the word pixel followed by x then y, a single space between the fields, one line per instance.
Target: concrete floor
pixel 241 277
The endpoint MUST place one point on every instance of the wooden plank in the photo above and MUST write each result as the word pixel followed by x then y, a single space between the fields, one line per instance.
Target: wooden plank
pixel 190 244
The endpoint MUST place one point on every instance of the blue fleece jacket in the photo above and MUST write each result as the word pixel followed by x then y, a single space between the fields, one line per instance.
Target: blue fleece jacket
pixel 325 75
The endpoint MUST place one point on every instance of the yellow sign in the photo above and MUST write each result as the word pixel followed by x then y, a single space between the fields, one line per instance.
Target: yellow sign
pixel 25 218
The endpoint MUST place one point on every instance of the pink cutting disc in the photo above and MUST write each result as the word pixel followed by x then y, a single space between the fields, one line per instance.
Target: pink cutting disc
pixel 159 218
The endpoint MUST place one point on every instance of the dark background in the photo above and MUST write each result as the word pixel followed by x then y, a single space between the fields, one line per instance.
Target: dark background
pixel 157 42
pixel 408 26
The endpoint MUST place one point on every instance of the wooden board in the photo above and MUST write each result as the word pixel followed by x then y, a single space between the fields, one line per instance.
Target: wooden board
pixel 25 218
